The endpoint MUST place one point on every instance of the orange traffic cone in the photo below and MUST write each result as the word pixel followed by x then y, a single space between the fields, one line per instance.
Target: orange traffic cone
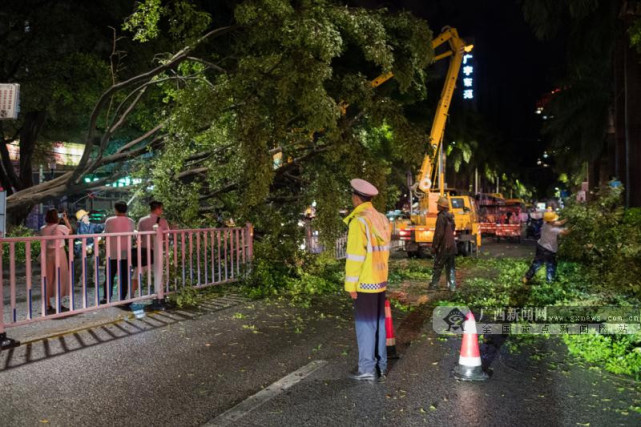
pixel 389 327
pixel 469 362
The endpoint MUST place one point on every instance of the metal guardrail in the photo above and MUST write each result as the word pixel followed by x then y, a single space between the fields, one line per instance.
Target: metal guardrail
pixel 340 247
pixel 179 258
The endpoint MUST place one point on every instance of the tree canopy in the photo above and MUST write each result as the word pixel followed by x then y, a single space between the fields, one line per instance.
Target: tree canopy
pixel 278 84
pixel 209 97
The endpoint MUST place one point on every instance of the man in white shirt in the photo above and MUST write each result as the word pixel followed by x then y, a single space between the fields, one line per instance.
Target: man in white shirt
pixel 148 223
pixel 120 223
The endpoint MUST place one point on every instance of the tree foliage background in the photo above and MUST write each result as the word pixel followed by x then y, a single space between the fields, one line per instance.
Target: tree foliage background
pixel 245 110
pixel 290 78
pixel 607 239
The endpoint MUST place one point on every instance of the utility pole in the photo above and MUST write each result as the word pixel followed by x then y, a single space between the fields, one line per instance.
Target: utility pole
pixel 476 180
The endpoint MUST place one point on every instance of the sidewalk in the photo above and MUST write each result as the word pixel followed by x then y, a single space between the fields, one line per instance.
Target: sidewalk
pixel 22 300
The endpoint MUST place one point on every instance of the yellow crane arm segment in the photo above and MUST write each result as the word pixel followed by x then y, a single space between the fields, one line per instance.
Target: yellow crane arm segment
pixel 457 49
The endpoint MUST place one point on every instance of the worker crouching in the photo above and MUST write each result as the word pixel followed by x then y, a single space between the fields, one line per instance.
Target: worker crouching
pixel 444 246
pixel 366 269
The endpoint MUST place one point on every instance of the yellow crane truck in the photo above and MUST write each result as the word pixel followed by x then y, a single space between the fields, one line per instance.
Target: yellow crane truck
pixel 417 233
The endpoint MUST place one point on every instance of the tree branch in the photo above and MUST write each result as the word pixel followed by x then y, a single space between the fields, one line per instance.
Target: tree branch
pixel 121 120
pixel 138 140
pixel 175 60
pixel 10 172
pixel 191 172
pixel 117 157
pixel 221 190
pixel 207 63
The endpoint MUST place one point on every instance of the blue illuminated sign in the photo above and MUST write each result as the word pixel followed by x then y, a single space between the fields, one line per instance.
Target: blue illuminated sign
pixel 468 79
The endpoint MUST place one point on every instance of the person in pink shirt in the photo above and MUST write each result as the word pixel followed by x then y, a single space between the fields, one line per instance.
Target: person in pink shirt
pixel 53 247
pixel 149 223
pixel 120 223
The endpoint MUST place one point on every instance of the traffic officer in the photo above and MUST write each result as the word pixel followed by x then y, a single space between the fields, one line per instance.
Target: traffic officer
pixel 444 245
pixel 368 242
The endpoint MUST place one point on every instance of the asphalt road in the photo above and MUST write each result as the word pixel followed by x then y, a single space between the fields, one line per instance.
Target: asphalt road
pixel 191 368
pixel 188 368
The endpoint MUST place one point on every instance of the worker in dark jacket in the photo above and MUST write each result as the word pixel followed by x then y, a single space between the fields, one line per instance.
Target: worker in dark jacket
pixel 444 245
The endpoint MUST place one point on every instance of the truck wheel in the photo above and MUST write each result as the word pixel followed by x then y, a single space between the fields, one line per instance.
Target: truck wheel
pixel 462 248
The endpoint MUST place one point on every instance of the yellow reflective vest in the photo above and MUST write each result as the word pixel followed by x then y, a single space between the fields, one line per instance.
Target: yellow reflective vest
pixel 368 243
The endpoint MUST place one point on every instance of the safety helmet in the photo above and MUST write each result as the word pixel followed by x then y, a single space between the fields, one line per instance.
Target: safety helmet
pixel 81 213
pixel 550 216
pixel 443 202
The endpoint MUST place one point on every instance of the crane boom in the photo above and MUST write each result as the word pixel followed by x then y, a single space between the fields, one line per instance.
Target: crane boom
pixel 418 233
pixel 457 49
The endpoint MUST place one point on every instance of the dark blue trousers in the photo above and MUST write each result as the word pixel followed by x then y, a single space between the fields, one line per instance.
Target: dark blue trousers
pixel 370 331
pixel 543 256
pixel 112 272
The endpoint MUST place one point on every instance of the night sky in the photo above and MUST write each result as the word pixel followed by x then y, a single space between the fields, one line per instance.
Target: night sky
pixel 513 68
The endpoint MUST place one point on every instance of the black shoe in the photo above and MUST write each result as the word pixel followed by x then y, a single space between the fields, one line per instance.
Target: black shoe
pixel 51 310
pixel 432 287
pixel 125 307
pixel 366 376
pixel 382 375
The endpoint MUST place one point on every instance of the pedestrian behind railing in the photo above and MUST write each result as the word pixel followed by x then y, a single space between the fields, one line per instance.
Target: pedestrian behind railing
pixel 193 257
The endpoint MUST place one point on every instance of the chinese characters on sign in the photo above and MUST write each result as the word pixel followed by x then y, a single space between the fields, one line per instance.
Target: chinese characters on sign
pixel 605 320
pixel 468 79
pixel 9 101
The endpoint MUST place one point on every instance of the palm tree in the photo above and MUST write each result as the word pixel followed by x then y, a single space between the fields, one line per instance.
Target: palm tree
pixel 577 115
pixel 602 79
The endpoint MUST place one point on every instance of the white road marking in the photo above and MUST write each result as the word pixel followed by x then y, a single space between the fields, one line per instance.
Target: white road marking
pixel 268 393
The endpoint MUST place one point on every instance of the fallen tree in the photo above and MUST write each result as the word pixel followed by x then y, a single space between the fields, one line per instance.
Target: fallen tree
pixel 269 81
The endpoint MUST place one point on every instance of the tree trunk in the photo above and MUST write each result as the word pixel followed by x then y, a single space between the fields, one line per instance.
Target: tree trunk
pixel 633 127
pixel 33 122
pixel 628 108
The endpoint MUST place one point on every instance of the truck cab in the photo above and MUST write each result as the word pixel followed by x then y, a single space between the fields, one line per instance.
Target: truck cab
pixel 418 235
